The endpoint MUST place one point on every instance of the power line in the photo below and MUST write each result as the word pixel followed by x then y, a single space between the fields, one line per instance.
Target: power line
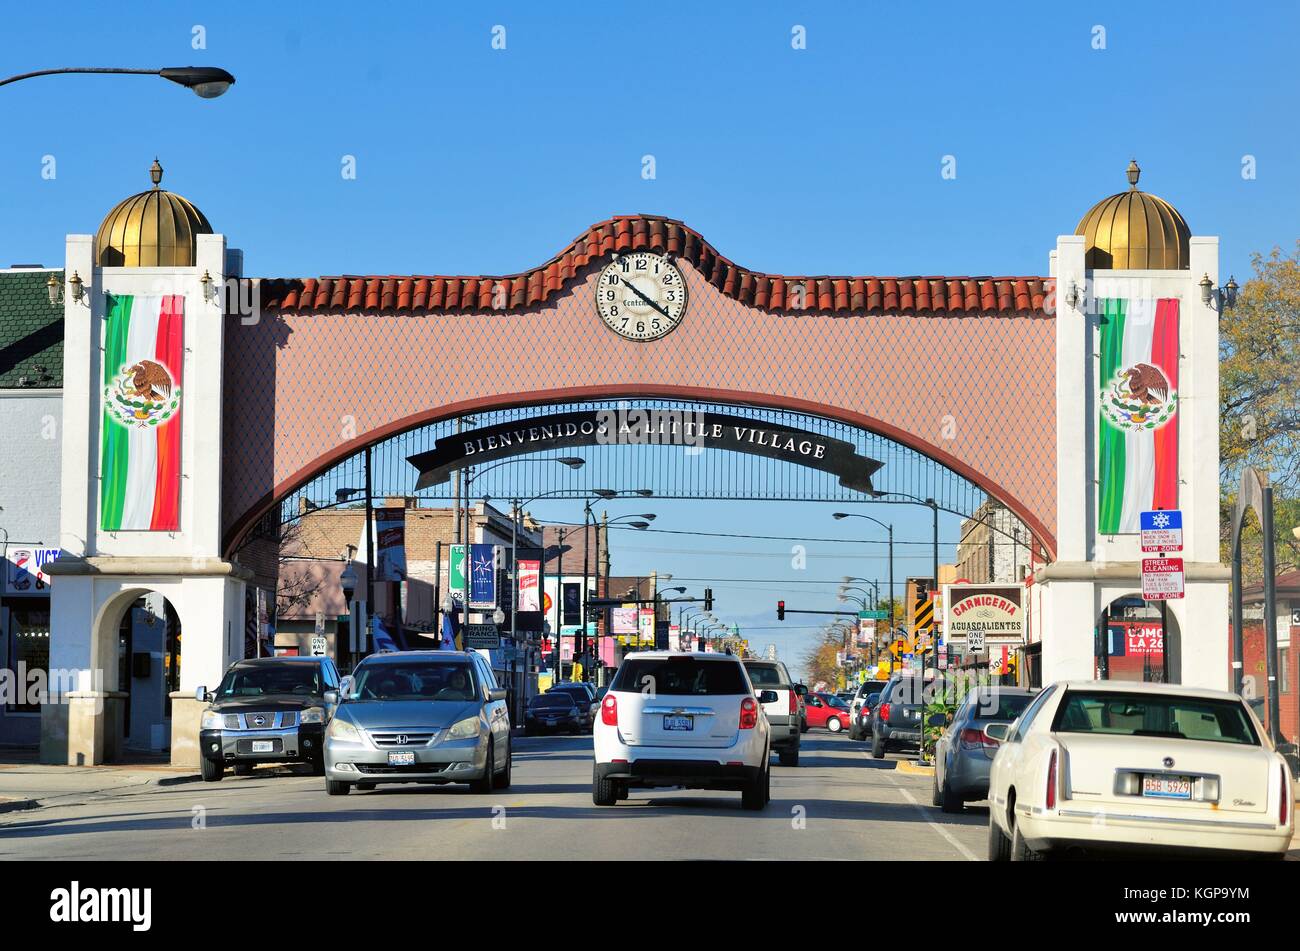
pixel 928 542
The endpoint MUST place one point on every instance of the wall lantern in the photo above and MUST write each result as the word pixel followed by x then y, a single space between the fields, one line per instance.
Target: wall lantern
pixel 209 288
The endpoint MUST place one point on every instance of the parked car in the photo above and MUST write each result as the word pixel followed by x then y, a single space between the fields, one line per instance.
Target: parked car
pixel 1111 766
pixel 864 701
pixel 266 710
pixel 896 719
pixel 555 712
pixel 784 713
pixel 419 717
pixel 964 752
pixel 827 710
pixel 699 726
pixel 585 696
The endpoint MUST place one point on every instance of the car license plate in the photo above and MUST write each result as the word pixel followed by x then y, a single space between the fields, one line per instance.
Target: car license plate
pixel 1167 787
pixel 550 722
pixel 263 746
pixel 401 759
pixel 679 723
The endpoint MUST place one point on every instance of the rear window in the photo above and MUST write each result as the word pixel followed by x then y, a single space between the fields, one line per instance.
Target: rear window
pixel 558 700
pixel 999 706
pixel 1133 714
pixel 681 677
pixel 766 675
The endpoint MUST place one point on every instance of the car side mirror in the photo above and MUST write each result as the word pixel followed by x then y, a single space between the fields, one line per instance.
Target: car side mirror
pixel 767 696
pixel 998 731
pixel 495 695
pixel 202 695
pixel 332 697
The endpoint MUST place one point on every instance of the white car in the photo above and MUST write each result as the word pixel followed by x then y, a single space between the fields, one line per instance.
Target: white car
pixel 1113 766
pixel 682 719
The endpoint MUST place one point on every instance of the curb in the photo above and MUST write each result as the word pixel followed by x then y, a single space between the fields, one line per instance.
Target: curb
pixel 908 768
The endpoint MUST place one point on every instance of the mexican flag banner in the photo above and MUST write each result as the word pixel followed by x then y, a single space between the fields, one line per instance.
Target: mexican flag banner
pixel 140 449
pixel 1137 432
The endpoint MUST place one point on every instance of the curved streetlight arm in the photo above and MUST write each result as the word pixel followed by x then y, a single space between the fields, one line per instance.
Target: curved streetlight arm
pixel 206 81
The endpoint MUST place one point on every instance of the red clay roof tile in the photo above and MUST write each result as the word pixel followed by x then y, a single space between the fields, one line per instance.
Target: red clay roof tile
pixel 936 296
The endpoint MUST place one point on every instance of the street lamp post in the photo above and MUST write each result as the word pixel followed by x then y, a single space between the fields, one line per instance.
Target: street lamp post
pixel 890 529
pixel 207 82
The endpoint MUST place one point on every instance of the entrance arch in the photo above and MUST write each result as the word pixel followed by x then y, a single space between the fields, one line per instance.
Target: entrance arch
pixel 961 369
pixel 1142 643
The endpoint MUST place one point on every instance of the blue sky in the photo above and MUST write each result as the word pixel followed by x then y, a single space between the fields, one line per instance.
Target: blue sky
pixel 821 160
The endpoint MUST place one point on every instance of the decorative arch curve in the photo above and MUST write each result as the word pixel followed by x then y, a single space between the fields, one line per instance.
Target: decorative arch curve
pixel 344 450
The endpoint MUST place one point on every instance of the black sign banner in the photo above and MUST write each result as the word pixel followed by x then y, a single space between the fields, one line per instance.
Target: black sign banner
pixel 658 427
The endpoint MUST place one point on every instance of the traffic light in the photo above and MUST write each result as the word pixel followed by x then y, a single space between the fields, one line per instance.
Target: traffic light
pixel 780 610
pixel 708 599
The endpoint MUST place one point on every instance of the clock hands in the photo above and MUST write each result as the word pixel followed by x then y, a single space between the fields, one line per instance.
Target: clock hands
pixel 633 288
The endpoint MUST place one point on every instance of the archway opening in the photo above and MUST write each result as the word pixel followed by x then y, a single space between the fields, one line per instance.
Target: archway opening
pixel 146 672
pixel 1138 641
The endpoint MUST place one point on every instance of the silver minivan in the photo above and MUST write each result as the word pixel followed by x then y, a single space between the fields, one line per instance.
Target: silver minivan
pixel 419 717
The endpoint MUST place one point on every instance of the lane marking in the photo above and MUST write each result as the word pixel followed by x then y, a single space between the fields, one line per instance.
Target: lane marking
pixel 948 836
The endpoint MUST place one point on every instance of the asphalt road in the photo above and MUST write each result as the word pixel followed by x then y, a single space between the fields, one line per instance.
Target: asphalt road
pixel 837 804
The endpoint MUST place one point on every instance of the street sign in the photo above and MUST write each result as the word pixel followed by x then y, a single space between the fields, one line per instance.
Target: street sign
pixel 482 637
pixel 975 641
pixel 318 645
pixel 873 615
pixel 1162 530
pixel 1162 578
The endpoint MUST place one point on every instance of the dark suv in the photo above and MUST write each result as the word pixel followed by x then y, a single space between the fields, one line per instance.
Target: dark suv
pixel 896 719
pixel 267 710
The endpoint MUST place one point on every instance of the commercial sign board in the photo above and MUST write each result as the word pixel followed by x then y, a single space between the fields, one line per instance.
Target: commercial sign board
pixel 993 612
pixel 24 571
pixel 623 621
pixel 483 576
pixel 644 426
pixel 1162 579
pixel 529 597
pixel 482 637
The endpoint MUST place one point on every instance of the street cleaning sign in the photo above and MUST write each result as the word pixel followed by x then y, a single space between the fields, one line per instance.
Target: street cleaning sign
pixel 1161 530
pixel 1162 579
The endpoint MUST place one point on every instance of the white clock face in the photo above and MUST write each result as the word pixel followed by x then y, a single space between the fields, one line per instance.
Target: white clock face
pixel 641 296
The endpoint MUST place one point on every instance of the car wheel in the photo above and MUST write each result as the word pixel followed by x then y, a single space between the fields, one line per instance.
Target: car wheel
pixel 620 791
pixel 877 746
pixel 212 772
pixel 803 726
pixel 604 792
pixel 365 787
pixel 999 847
pixel 754 796
pixel 1020 852
pixel 335 788
pixel 949 801
pixel 834 725
pixel 934 790
pixel 503 778
pixel 484 785
pixel 789 756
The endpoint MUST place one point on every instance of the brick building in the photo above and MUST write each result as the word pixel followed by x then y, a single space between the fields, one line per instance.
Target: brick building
pixel 1254 665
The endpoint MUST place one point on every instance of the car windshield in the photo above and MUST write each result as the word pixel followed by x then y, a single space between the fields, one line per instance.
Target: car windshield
pixel 559 700
pixel 999 706
pixel 1171 717
pixel 764 675
pixel 263 679
pixel 412 680
pixel 681 676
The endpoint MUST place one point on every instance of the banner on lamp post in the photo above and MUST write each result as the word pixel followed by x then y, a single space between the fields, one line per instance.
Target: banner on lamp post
pixel 483 576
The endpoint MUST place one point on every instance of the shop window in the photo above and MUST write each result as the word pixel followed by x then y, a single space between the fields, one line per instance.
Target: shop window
pixel 29 645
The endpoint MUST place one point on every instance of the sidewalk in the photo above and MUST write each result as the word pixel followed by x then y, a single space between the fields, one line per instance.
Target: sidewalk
pixel 27 784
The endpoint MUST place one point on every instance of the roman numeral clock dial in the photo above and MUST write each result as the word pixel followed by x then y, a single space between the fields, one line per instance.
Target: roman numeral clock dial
pixel 641 296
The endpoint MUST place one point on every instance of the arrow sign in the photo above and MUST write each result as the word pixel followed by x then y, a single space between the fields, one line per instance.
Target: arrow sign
pixel 1162 530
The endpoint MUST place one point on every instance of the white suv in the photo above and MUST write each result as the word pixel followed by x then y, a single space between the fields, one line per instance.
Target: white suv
pixel 676 719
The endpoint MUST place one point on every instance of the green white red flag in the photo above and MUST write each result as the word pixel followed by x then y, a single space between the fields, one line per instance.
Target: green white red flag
pixel 140 448
pixel 1137 432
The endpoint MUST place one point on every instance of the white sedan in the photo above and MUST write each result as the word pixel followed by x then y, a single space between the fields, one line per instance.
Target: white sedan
pixel 1112 766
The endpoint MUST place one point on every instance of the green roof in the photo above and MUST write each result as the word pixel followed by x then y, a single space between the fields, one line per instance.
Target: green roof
pixel 31 331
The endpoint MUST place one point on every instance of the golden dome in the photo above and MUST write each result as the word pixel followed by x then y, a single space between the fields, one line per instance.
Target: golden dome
pixel 152 229
pixel 1135 231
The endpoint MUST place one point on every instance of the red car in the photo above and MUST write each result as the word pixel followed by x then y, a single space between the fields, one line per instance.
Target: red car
pixel 829 711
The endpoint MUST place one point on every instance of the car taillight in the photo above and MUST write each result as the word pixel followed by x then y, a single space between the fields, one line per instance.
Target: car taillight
pixel 884 713
pixel 1051 781
pixel 1284 809
pixel 609 710
pixel 794 702
pixel 748 714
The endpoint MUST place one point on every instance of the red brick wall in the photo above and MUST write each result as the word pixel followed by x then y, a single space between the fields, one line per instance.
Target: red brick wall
pixel 1254 665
